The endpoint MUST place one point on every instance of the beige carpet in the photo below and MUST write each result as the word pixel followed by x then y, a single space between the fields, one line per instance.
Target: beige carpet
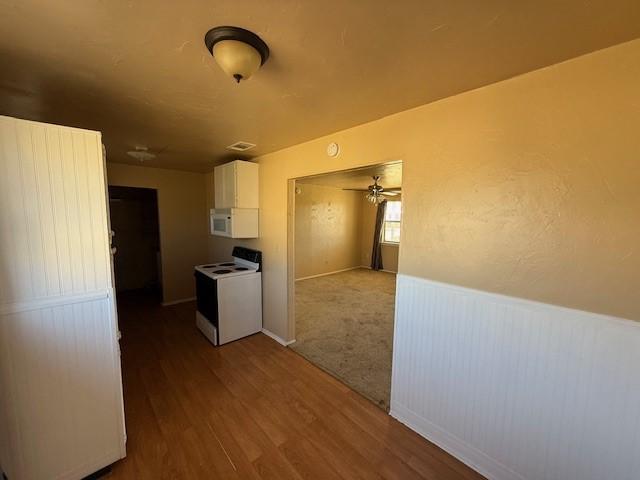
pixel 344 324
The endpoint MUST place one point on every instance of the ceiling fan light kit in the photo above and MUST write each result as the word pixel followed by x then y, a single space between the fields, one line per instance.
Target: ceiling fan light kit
pixel 376 193
pixel 238 52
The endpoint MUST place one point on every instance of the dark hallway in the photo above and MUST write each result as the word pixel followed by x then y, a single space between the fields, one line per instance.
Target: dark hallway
pixel 134 220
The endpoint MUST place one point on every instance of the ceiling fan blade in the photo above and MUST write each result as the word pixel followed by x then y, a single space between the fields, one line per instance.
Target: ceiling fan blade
pixel 390 194
pixel 160 151
pixel 356 189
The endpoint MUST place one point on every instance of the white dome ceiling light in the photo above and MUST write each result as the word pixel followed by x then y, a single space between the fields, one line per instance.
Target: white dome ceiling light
pixel 239 52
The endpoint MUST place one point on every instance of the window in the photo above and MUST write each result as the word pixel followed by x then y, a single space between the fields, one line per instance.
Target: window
pixel 391 229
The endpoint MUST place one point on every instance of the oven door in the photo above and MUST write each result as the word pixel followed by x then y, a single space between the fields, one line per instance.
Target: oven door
pixel 221 223
pixel 207 298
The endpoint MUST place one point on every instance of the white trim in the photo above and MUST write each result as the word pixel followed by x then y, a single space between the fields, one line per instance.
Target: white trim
pixel 468 455
pixel 521 302
pixel 176 302
pixel 53 125
pixel 381 270
pixel 50 302
pixel 277 338
pixel 93 466
pixel 505 383
pixel 328 273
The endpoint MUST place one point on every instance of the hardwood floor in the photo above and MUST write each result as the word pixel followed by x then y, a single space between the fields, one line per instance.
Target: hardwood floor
pixel 251 409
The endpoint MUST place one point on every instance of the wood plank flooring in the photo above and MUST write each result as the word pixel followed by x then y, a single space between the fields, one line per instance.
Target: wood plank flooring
pixel 251 409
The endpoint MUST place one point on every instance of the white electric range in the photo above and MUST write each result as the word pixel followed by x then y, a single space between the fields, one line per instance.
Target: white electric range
pixel 229 297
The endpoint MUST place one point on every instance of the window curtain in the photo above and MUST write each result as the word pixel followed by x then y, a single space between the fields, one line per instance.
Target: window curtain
pixel 376 254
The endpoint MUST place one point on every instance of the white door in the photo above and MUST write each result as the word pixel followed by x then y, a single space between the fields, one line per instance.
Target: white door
pixel 61 409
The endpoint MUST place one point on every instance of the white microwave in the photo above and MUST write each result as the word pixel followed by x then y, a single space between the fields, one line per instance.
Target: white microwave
pixel 234 222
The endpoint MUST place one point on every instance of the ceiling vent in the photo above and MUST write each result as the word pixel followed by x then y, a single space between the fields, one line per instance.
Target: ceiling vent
pixel 241 146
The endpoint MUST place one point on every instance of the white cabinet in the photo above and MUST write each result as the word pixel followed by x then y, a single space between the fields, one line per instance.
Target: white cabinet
pixel 236 185
pixel 236 200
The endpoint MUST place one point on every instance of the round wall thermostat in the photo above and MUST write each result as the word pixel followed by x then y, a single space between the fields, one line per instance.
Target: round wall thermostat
pixel 333 149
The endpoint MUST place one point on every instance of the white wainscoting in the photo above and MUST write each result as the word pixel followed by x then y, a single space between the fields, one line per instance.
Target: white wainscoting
pixel 59 368
pixel 517 389
pixel 53 212
pixel 61 408
pixel 278 339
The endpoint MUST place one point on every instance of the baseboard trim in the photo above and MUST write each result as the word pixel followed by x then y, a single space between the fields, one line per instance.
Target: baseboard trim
pixel 176 302
pixel 381 270
pixel 278 339
pixel 328 273
pixel 467 454
pixel 90 468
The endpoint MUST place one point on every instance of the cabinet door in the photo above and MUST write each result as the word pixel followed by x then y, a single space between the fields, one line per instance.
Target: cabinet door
pixel 229 185
pixel 218 187
pixel 247 185
pixel 225 185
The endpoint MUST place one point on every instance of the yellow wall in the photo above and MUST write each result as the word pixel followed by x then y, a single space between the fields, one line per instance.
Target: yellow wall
pixel 183 222
pixel 528 187
pixel 327 224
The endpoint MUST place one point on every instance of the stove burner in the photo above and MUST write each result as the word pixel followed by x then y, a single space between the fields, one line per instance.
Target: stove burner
pixel 208 266
pixel 220 272
pixel 241 269
pixel 227 264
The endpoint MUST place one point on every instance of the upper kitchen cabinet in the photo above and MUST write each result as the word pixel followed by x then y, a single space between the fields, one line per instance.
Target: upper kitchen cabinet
pixel 236 185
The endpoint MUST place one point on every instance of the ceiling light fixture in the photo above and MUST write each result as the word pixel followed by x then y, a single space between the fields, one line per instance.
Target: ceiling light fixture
pixel 239 52
pixel 375 192
pixel 141 154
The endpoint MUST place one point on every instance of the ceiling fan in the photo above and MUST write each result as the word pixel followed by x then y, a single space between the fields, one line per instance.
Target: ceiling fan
pixel 375 192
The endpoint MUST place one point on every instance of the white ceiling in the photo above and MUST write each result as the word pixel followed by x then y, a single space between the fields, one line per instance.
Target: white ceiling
pixel 139 71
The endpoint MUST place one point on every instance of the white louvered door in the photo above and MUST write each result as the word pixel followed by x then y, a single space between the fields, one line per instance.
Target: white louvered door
pixel 61 409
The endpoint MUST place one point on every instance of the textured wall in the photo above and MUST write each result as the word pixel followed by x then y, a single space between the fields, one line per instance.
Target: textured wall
pixel 183 222
pixel 527 187
pixel 327 225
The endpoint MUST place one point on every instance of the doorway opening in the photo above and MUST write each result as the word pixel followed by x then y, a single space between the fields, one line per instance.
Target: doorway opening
pixel 346 241
pixel 135 224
